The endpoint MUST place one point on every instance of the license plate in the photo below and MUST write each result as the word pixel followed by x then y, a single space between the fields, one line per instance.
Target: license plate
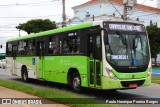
pixel 132 85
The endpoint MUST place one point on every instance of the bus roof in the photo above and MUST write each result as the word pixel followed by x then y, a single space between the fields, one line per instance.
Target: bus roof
pixel 54 31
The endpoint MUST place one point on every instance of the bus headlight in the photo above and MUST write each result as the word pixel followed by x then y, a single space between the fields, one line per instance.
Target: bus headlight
pixel 111 74
pixel 149 72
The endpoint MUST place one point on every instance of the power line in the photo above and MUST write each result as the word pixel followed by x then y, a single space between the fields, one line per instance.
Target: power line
pixel 24 4
pixel 34 5
pixel 148 20
pixel 9 25
pixel 135 10
pixel 30 17
pixel 115 8
pixel 9 31
pixel 143 2
pixel 43 4
pixel 157 13
pixel 8 36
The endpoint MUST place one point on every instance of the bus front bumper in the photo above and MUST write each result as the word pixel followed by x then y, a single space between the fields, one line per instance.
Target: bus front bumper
pixel 108 83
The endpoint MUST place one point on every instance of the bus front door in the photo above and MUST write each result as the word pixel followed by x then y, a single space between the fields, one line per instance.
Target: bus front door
pixel 95 59
pixel 14 65
pixel 40 52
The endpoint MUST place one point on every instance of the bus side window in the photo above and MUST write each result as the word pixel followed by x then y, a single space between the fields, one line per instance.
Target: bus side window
pixel 98 47
pixel 22 48
pixel 20 45
pixel 54 46
pixel 91 47
pixel 71 43
pixel 9 49
pixel 31 47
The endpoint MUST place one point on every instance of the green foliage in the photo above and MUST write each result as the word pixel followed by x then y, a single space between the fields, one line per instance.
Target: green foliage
pixel 157 68
pixel 155 80
pixel 36 25
pixel 154 39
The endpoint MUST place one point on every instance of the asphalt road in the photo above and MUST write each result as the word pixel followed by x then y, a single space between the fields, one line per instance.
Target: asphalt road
pixel 152 91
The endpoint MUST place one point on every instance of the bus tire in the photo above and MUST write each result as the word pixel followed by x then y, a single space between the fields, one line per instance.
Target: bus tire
pixel 76 83
pixel 25 74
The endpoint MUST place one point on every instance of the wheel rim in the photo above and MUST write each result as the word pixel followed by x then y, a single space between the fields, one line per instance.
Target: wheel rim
pixel 76 83
pixel 24 76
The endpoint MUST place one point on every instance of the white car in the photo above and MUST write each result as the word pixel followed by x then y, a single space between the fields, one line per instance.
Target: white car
pixel 3 63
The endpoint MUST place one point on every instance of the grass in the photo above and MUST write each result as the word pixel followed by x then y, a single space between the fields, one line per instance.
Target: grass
pixel 156 80
pixel 157 68
pixel 59 96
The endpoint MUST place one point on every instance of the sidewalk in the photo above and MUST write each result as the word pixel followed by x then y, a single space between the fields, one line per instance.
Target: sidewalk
pixel 9 93
pixel 155 73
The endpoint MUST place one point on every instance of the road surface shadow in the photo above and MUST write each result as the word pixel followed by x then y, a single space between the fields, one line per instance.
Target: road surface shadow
pixel 96 93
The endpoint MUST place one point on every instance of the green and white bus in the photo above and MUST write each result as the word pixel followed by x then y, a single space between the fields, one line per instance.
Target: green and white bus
pixel 99 54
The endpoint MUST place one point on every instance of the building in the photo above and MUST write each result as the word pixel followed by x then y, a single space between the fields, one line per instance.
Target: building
pixel 158 3
pixel 113 9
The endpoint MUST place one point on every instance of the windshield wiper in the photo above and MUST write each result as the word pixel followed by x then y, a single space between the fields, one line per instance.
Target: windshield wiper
pixel 135 44
pixel 121 38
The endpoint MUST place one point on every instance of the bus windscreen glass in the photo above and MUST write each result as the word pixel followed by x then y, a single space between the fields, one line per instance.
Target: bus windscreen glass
pixel 127 46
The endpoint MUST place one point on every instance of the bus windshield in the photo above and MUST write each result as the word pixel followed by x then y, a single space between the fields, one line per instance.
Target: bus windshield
pixel 125 49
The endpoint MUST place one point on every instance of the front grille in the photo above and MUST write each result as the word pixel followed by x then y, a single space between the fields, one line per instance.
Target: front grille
pixel 127 83
pixel 130 70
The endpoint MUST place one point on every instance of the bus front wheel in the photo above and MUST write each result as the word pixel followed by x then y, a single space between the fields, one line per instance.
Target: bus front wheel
pixel 24 74
pixel 76 83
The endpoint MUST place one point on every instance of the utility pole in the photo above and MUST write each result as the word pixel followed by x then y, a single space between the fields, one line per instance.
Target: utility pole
pixel 125 11
pixel 128 5
pixel 63 14
pixel 103 7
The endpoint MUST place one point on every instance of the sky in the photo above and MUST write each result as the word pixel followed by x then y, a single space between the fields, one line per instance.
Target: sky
pixel 13 12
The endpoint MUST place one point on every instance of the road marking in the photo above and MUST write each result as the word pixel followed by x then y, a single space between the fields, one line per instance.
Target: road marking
pixel 25 105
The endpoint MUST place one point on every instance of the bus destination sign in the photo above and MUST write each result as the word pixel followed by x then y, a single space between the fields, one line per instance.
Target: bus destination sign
pixel 125 27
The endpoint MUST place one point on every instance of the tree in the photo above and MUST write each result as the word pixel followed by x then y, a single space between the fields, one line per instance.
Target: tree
pixel 37 25
pixel 154 39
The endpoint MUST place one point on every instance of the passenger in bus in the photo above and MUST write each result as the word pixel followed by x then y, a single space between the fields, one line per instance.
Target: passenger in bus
pixel 56 50
pixel 31 51
pixel 78 50
pixel 122 50
pixel 25 50
pixel 50 51
pixel 115 49
pixel 115 46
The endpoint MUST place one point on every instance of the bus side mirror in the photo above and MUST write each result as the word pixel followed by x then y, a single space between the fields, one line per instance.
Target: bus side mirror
pixel 106 41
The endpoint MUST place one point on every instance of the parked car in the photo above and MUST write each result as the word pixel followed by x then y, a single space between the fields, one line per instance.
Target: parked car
pixel 3 63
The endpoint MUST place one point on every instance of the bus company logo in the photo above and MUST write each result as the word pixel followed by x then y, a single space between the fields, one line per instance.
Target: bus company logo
pixel 133 76
pixel 6 101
